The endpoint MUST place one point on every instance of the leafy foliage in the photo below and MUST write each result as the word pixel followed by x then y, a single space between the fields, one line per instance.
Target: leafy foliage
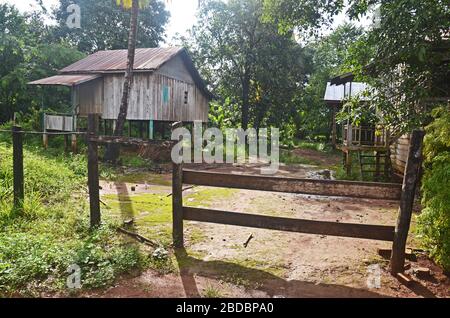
pixel 303 15
pixel 434 222
pixel 255 70
pixel 38 245
pixel 405 58
pixel 96 17
pixel 26 55
pixel 327 54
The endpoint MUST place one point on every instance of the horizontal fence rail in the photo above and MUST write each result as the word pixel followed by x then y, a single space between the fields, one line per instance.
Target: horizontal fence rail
pixel 357 189
pixel 373 232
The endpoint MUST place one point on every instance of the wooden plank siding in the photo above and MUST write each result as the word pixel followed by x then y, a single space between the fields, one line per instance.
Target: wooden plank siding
pixel 146 99
pixel 399 153
pixel 89 97
pixel 103 96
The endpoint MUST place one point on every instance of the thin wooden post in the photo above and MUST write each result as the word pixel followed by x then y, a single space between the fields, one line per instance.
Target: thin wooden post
pixel 150 129
pixel 410 180
pixel 93 183
pixel 44 135
pixel 18 167
pixel 66 142
pixel 348 162
pixel 377 165
pixel 333 126
pixel 74 143
pixel 177 201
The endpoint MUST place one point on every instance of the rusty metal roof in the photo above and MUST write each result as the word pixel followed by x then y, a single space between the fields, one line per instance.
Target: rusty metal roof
pixel 66 80
pixel 116 60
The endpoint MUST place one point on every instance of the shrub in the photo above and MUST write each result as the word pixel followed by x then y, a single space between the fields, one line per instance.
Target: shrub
pixel 434 221
pixel 52 232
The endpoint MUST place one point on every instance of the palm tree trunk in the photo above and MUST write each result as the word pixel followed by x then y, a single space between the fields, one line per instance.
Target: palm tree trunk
pixel 112 152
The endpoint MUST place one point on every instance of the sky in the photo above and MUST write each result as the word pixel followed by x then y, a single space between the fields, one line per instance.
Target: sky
pixel 183 14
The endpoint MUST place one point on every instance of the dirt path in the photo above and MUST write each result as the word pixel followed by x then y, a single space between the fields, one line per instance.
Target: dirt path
pixel 274 264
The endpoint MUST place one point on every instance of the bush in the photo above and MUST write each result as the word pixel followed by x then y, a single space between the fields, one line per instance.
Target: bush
pixel 52 232
pixel 434 222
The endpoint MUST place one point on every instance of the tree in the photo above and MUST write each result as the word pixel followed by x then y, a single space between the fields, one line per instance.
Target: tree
pixel 113 151
pixel 328 54
pixel 28 54
pixel 247 62
pixel 105 26
pixel 301 15
pixel 407 62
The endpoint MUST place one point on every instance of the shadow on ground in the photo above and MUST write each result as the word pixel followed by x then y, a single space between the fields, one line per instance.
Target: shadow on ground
pixel 271 285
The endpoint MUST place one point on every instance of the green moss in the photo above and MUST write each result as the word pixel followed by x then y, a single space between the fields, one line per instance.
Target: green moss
pixel 289 158
pixel 152 213
pixel 143 177
pixel 206 196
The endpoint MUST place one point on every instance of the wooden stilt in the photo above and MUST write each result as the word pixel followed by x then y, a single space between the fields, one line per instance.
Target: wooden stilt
pixel 74 143
pixel 333 127
pixel 348 163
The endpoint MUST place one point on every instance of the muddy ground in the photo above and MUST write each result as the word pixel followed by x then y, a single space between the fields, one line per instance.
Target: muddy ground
pixel 215 262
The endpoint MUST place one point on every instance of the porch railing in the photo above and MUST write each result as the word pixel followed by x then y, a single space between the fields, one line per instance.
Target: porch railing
pixel 364 136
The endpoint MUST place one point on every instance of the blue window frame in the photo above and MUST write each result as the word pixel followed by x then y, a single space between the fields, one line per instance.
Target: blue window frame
pixel 165 93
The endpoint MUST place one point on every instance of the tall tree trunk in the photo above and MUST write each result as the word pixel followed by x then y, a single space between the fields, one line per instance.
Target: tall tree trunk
pixel 245 100
pixel 112 152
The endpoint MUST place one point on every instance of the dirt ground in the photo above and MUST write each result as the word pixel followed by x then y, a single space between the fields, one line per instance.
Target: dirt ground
pixel 215 262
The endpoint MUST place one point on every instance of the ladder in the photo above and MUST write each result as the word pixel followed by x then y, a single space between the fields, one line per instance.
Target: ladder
pixel 375 163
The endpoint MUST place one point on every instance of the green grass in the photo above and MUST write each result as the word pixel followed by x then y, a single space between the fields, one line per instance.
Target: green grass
pixel 212 292
pixel 287 157
pixel 355 173
pixel 153 212
pixel 52 232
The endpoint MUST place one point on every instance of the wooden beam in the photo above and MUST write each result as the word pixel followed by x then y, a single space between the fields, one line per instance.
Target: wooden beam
pixel 370 190
pixel 410 181
pixel 74 143
pixel 333 126
pixel 374 232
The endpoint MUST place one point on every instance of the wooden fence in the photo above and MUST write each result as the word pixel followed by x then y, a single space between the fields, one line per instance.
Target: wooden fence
pixel 397 234
pixel 370 190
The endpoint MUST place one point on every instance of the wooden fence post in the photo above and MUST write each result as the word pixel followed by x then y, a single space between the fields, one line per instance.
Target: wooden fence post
pixel 93 183
pixel 45 135
pixel 18 167
pixel 177 200
pixel 410 180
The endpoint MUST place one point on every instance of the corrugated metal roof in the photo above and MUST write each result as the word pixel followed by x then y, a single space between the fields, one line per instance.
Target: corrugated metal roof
pixel 116 60
pixel 335 93
pixel 66 80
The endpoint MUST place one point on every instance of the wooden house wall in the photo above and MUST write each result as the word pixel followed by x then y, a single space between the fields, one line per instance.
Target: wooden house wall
pixel 399 153
pixel 147 102
pixel 89 97
pixel 146 96
pixel 176 69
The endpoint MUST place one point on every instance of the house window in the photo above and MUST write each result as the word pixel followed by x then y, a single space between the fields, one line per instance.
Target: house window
pixel 186 97
pixel 165 94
